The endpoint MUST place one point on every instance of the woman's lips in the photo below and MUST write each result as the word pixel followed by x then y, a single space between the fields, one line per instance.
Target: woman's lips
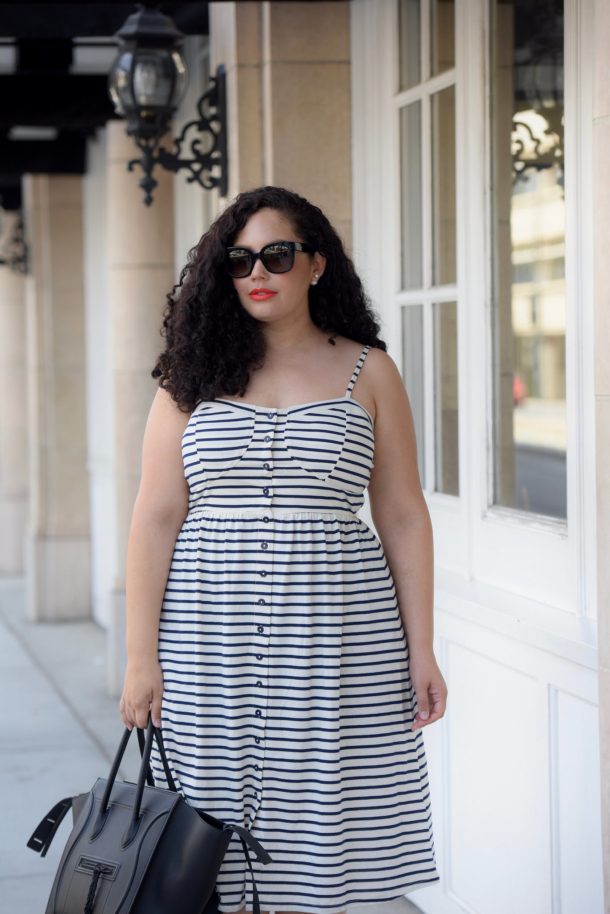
pixel 261 294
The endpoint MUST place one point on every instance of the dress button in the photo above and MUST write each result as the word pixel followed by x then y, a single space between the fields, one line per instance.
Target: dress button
pixel 266 466
pixel 257 740
pixel 259 683
pixel 260 629
pixel 259 713
pixel 266 519
pixel 261 602
pixel 265 491
pixel 264 545
pixel 270 415
pixel 267 438
pixel 259 656
pixel 263 574
pixel 256 767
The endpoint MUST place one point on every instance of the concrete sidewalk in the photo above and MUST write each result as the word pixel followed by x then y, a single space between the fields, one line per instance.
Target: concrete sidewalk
pixel 60 732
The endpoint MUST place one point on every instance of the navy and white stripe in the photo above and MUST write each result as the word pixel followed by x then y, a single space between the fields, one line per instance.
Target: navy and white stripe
pixel 288 701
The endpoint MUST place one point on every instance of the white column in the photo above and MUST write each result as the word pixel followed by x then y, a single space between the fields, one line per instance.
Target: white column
pixel 57 539
pixel 13 412
pixel 100 423
pixel 141 272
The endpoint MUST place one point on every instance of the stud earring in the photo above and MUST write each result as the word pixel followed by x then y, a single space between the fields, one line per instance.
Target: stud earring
pixel 314 282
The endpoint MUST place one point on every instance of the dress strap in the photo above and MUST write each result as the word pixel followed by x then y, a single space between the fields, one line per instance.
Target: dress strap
pixel 350 386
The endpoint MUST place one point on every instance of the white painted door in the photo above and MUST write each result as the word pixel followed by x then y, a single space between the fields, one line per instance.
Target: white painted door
pixel 483 285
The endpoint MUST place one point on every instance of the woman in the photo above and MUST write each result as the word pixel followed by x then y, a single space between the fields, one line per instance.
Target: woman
pixel 281 653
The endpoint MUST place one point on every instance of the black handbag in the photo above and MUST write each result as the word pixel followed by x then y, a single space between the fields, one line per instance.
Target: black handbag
pixel 139 849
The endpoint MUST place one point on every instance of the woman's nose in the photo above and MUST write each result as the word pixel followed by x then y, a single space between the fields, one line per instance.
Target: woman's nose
pixel 259 270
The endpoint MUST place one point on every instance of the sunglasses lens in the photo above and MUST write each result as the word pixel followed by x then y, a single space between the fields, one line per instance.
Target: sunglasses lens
pixel 238 262
pixel 278 258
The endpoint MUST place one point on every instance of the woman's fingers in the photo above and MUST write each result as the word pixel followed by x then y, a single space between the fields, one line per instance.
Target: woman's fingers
pixel 124 715
pixel 142 711
pixel 155 708
pixel 431 704
pixel 142 695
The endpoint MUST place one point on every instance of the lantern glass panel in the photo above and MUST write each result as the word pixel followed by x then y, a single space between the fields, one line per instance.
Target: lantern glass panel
pixel 181 77
pixel 120 82
pixel 156 78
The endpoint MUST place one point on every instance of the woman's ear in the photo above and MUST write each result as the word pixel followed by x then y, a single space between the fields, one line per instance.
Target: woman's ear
pixel 318 263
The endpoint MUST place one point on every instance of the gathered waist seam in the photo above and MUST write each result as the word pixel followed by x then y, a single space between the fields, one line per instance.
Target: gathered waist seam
pixel 260 513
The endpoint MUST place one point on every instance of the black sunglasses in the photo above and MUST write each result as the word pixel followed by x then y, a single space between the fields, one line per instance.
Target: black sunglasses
pixel 277 257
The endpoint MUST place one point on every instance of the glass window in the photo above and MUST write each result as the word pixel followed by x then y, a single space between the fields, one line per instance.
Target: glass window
pixel 413 373
pixel 409 30
pixel 442 36
pixel 443 187
pixel 446 397
pixel 411 195
pixel 428 237
pixel 529 308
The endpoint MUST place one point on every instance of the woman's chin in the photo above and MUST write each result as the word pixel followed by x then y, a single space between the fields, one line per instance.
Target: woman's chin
pixel 264 311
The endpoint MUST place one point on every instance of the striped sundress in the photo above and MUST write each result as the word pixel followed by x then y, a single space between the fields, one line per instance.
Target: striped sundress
pixel 287 700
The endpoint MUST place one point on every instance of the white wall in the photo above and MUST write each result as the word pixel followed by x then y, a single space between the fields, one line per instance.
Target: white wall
pixel 100 434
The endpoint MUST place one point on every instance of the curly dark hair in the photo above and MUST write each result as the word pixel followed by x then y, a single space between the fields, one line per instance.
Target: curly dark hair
pixel 212 343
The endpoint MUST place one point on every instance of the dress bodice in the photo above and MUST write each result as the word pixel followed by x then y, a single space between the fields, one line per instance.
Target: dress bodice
pixel 313 457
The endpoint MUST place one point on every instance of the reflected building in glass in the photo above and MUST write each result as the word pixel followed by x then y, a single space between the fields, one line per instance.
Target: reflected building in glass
pixel 529 249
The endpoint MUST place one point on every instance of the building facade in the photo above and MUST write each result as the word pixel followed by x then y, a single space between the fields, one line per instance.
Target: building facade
pixel 461 149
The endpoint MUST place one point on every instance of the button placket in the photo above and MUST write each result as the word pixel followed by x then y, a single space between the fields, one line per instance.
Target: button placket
pixel 267 425
pixel 261 612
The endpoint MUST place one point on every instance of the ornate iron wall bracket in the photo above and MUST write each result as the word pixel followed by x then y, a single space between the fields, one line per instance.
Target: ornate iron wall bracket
pixel 13 250
pixel 199 163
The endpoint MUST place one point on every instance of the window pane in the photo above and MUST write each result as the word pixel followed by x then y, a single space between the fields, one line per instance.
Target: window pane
pixel 409 31
pixel 529 230
pixel 413 373
pixel 411 195
pixel 443 187
pixel 442 35
pixel 446 398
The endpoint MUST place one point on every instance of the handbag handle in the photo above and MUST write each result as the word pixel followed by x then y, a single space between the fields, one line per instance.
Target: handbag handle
pixel 149 775
pixel 101 816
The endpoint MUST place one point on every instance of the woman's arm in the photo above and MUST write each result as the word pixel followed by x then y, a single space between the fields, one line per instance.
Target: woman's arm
pixel 402 520
pixel 159 512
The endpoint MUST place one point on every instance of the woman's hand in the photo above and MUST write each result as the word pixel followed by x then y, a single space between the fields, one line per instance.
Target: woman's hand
pixel 143 691
pixel 430 688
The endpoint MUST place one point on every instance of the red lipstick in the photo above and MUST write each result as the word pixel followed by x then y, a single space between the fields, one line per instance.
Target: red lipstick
pixel 261 294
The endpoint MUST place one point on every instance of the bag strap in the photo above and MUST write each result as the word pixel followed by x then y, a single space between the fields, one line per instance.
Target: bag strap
pixel 141 743
pixel 248 840
pixel 45 830
pixel 150 780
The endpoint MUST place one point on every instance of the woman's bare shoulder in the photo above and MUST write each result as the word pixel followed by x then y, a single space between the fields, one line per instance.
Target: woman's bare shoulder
pixel 380 370
pixel 166 416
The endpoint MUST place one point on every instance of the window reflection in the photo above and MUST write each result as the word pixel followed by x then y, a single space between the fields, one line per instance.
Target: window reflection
pixel 413 373
pixel 446 397
pixel 529 230
pixel 411 195
pixel 442 35
pixel 409 30
pixel 443 187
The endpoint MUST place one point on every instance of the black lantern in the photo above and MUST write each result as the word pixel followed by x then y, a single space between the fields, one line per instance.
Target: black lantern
pixel 146 83
pixel 149 76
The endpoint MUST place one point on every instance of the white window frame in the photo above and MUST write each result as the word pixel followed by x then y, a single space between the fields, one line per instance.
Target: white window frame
pixel 428 295
pixel 514 571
